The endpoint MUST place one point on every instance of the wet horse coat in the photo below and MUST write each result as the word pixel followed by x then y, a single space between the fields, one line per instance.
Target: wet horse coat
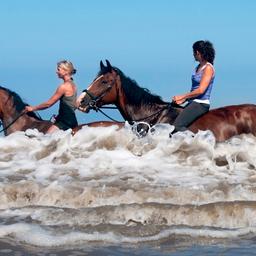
pixel 12 116
pixel 137 104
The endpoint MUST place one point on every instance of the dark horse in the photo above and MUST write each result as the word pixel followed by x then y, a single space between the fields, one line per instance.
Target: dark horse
pixel 137 104
pixel 14 118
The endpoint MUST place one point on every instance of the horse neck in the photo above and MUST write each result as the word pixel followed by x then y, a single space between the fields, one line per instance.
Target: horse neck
pixel 21 122
pixel 18 121
pixel 149 113
pixel 6 110
pixel 25 122
pixel 9 116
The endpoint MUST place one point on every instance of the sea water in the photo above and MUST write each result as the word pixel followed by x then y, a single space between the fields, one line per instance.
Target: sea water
pixel 106 191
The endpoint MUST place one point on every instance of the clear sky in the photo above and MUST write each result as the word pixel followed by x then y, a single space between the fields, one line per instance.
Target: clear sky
pixel 149 40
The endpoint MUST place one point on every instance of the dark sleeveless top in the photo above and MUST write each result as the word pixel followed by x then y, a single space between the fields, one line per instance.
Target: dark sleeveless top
pixel 67 118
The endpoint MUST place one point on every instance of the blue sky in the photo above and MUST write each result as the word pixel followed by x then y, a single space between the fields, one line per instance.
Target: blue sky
pixel 149 40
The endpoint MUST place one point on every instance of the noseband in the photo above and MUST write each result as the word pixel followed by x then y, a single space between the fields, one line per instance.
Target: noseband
pixel 95 99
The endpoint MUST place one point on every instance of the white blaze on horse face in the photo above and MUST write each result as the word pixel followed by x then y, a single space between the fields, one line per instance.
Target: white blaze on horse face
pixel 78 101
pixel 82 95
pixel 94 82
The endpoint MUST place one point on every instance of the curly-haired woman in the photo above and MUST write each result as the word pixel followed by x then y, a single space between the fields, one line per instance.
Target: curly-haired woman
pixel 202 82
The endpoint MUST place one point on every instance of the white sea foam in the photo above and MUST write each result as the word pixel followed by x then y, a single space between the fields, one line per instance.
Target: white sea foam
pixel 106 176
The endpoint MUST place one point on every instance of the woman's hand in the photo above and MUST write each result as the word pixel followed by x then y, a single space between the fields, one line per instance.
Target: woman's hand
pixel 29 109
pixel 179 99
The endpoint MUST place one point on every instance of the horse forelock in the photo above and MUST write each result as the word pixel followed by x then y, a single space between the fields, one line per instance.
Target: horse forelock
pixel 18 103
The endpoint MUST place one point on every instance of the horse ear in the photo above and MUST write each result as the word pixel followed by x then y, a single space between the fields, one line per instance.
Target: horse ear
pixel 109 66
pixel 102 67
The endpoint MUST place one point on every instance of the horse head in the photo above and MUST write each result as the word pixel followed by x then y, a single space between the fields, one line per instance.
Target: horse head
pixel 103 90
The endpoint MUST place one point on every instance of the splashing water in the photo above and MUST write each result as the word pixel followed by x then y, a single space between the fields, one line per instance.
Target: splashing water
pixel 105 184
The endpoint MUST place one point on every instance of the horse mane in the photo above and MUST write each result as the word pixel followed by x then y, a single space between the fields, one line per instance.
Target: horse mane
pixel 18 103
pixel 136 94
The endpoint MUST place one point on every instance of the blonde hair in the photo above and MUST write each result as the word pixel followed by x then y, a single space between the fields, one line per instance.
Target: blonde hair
pixel 67 65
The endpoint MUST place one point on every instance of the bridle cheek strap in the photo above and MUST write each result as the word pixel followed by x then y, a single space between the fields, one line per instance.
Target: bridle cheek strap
pixel 93 99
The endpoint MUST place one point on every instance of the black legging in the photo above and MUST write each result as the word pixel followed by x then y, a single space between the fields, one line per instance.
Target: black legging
pixel 190 113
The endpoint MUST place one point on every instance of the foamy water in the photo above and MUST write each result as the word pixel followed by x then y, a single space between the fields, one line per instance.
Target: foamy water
pixel 110 186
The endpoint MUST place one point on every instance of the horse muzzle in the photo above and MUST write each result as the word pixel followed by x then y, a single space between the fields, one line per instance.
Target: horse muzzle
pixel 83 103
pixel 84 109
pixel 86 105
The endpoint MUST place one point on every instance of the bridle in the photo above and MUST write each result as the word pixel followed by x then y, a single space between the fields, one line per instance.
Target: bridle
pixel 95 99
pixel 92 104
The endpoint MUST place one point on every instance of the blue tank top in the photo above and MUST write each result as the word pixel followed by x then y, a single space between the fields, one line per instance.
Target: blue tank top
pixel 196 79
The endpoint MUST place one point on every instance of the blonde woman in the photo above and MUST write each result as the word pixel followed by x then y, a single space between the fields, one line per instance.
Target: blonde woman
pixel 66 93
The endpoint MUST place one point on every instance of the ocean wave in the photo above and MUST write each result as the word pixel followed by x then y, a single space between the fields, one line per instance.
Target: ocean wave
pixel 105 179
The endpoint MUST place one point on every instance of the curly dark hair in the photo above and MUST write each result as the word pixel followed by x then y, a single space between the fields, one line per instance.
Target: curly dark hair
pixel 206 49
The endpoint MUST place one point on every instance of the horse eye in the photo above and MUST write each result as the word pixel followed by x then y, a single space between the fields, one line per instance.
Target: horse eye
pixel 104 82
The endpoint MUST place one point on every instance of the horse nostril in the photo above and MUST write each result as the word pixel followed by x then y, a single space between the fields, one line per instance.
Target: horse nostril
pixel 83 103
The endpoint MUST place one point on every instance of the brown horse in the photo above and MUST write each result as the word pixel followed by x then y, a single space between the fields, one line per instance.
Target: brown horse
pixel 137 104
pixel 14 118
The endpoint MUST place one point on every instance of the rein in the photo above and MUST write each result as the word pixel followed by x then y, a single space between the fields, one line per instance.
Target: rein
pixel 96 108
pixel 93 105
pixel 109 117
pixel 154 114
pixel 11 123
